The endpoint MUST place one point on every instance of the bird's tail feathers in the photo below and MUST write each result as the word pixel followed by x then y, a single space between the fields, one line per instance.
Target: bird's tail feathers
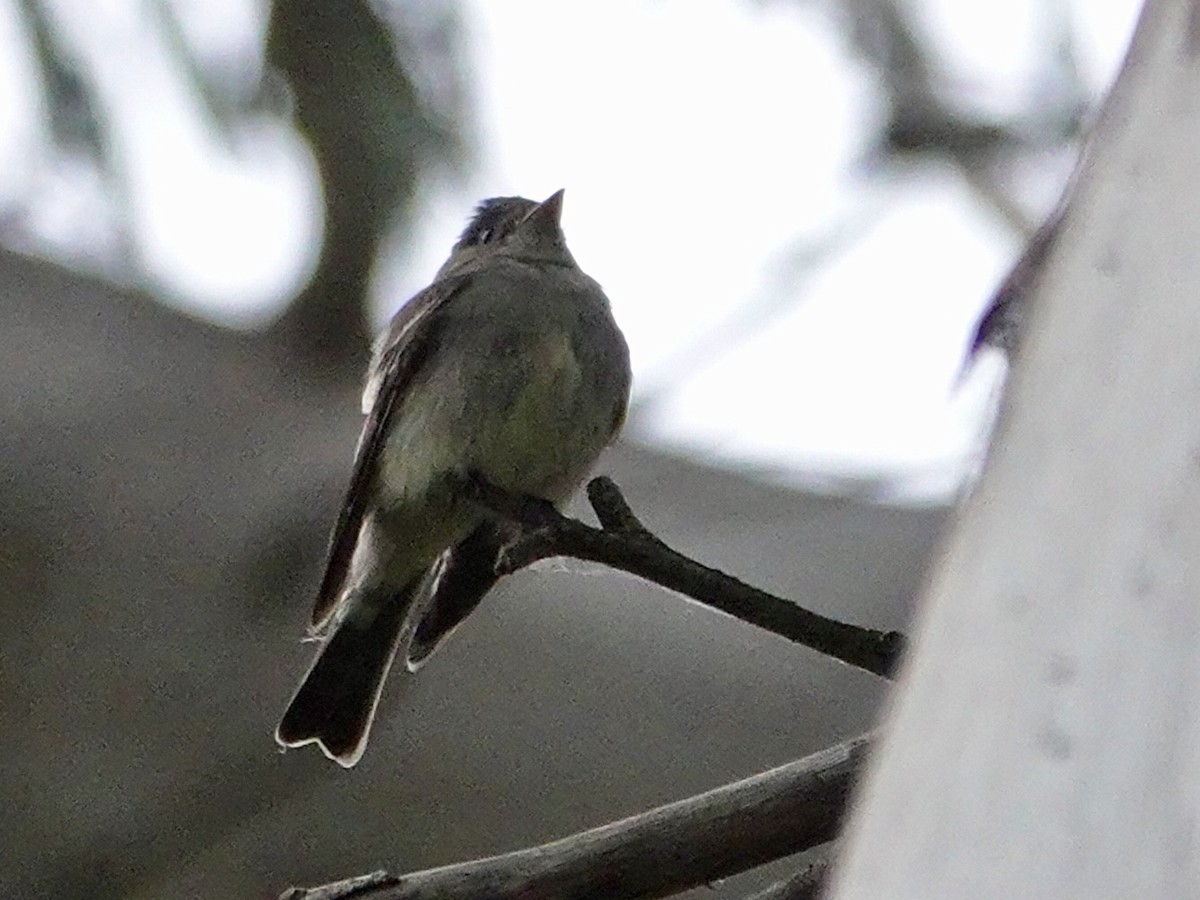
pixel 336 701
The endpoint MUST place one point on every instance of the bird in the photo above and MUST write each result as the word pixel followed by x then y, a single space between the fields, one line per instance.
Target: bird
pixel 508 367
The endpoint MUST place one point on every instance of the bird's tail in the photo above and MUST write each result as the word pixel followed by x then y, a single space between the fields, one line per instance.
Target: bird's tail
pixel 335 703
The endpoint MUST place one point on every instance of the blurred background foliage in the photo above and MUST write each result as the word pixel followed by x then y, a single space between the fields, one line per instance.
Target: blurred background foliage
pixel 166 482
pixel 383 95
pixel 356 81
pixel 377 92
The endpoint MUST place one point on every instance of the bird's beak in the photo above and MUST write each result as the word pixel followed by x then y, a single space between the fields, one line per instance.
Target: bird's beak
pixel 546 216
pixel 552 206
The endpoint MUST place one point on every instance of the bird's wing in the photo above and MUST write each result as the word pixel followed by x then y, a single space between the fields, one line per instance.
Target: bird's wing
pixel 464 575
pixel 404 348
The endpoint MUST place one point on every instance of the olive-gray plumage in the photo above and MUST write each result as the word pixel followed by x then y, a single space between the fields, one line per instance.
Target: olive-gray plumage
pixel 509 365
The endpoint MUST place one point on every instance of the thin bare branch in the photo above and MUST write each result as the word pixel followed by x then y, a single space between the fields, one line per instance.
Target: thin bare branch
pixel 623 542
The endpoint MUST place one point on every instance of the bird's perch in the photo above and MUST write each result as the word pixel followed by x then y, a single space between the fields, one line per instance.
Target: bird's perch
pixel 686 844
pixel 623 542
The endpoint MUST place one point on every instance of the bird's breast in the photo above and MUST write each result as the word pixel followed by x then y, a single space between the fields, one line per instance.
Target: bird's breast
pixel 524 386
pixel 539 436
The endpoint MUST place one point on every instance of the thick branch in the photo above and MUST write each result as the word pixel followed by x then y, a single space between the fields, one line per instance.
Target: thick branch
pixel 622 542
pixel 666 850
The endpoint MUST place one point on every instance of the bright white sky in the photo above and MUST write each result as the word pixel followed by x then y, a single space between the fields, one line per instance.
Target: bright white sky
pixel 705 146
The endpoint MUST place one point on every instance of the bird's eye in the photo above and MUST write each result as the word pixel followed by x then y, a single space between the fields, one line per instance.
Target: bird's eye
pixel 485 236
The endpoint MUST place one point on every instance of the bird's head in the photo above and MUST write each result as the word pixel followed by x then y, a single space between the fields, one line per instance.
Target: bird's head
pixel 517 227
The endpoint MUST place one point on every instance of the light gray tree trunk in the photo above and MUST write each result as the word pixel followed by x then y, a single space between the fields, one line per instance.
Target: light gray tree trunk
pixel 1045 739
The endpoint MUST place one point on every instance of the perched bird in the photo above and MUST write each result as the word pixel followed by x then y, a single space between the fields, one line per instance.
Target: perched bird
pixel 508 367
